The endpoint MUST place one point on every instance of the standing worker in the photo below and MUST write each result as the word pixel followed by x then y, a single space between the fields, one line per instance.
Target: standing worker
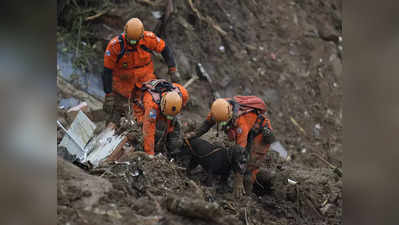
pixel 243 119
pixel 162 101
pixel 128 64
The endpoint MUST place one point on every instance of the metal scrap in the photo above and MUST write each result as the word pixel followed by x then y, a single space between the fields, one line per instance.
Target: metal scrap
pixel 82 142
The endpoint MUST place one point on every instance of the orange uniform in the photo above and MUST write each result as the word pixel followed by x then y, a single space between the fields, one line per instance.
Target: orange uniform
pixel 238 130
pixel 127 67
pixel 132 65
pixel 154 120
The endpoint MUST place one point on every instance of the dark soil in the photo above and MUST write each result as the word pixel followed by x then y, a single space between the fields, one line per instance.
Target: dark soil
pixel 287 52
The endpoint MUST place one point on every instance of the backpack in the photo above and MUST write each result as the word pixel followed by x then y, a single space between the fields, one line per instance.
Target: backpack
pixel 245 104
pixel 157 87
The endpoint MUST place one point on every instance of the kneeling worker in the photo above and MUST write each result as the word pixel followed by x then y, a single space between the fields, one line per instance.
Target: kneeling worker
pixel 162 101
pixel 243 119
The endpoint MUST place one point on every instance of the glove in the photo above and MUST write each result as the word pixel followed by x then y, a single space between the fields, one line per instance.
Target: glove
pixel 108 105
pixel 238 188
pixel 268 136
pixel 173 75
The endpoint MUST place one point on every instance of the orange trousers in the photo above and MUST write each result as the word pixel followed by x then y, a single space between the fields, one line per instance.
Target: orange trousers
pixel 257 155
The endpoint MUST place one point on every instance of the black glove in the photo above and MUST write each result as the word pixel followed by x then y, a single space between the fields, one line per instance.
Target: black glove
pixel 109 102
pixel 268 136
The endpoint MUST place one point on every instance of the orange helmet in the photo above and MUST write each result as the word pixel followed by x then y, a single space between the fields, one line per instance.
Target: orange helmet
pixel 134 29
pixel 221 110
pixel 171 103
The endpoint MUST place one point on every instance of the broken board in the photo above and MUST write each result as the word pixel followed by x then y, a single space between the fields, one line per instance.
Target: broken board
pixel 81 142
pixel 80 132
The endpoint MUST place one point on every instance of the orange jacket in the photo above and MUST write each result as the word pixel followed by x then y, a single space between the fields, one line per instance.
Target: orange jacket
pixel 152 115
pixel 239 133
pixel 135 66
pixel 241 127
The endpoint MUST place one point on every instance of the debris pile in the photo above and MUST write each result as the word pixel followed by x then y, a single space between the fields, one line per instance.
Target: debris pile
pixel 153 190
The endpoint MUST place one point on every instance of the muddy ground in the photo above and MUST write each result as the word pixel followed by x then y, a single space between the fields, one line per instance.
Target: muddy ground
pixel 287 52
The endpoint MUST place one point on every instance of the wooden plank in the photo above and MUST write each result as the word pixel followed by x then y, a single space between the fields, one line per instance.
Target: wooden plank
pixel 68 88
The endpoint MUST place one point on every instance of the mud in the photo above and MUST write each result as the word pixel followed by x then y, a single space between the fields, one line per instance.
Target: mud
pixel 156 191
pixel 287 52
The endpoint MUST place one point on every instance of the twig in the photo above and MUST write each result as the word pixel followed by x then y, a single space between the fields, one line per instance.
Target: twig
pixel 97 15
pixel 297 200
pixel 325 202
pixel 207 19
pixel 192 79
pixel 297 125
pixel 76 5
pixel 80 216
pixel 108 170
pixel 335 169
pixel 229 206
pixel 311 205
pixel 161 26
pixel 309 201
pixel 180 168
pixel 257 182
pixel 147 2
pixel 78 42
pixel 246 216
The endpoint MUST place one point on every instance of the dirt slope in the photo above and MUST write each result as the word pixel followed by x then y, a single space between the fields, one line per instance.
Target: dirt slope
pixel 287 52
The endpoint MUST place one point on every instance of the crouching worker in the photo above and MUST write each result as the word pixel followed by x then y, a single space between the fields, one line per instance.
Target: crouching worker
pixel 243 119
pixel 128 64
pixel 162 101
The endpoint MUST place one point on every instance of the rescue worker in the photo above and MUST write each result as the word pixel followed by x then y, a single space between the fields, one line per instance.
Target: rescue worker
pixel 162 101
pixel 128 64
pixel 244 121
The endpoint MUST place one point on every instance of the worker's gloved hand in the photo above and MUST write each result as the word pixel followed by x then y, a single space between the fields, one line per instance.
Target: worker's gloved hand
pixel 268 136
pixel 173 75
pixel 238 188
pixel 109 102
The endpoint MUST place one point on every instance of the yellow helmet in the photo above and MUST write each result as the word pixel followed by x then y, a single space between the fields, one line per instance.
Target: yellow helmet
pixel 221 110
pixel 134 29
pixel 171 103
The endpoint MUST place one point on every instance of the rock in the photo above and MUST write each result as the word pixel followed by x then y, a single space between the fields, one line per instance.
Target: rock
pixel 316 130
pixel 194 208
pixel 74 177
pixel 271 95
pixel 225 80
pixel 336 65
pixel 183 63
